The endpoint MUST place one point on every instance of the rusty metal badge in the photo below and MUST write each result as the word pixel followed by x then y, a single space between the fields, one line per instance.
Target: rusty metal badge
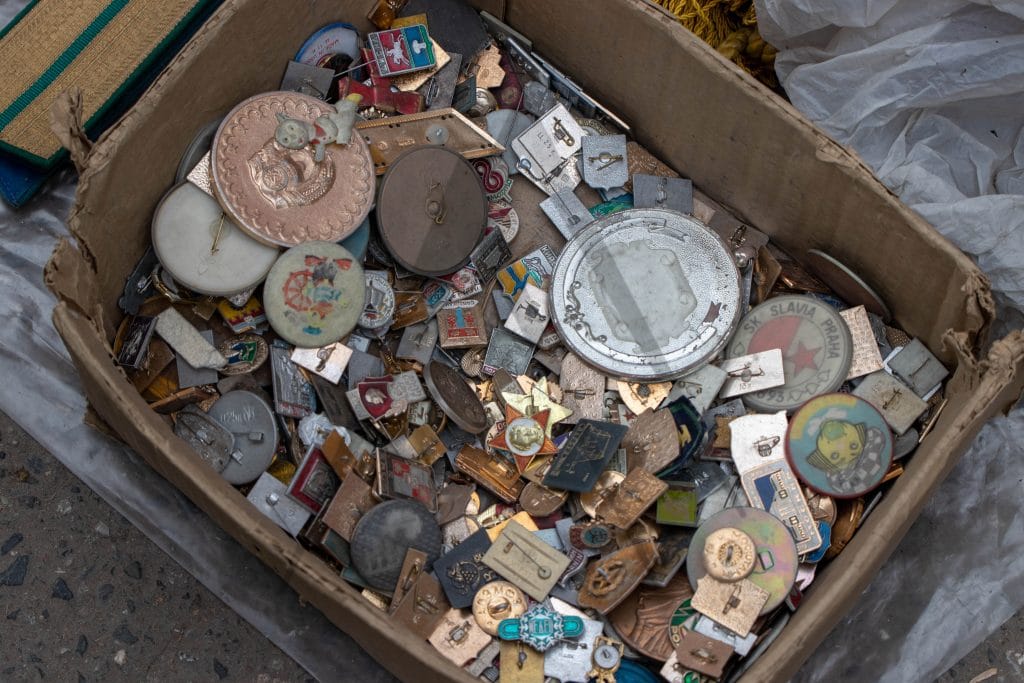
pixel 639 396
pixel 610 579
pixel 284 196
pixel 431 211
pixel 415 564
pixel 606 485
pixel 642 620
pixel 652 441
pixel 700 653
pixel 636 493
pixel 645 294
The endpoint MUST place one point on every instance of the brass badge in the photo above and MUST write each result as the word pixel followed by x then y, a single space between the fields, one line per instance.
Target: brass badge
pixel 639 397
pixel 426 444
pixel 520 663
pixel 350 503
pixel 735 605
pixel 492 471
pixel 495 601
pixel 526 561
pixel 613 577
pixel 636 493
pixel 652 441
pixel 541 501
pixel 414 564
pixel 458 637
pixel 702 654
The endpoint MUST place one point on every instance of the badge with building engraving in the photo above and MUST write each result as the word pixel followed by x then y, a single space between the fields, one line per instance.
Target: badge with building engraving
pixel 613 577
pixel 584 456
pixel 637 492
pixel 525 560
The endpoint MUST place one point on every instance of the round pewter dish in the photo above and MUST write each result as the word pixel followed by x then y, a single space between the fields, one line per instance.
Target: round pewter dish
pixel 645 294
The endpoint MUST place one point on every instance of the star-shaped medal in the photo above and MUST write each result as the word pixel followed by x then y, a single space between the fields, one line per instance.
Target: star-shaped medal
pixel 524 437
pixel 538 399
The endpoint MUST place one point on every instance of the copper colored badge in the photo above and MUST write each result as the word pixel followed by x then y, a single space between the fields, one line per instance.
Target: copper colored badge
pixel 639 396
pixel 422 606
pixel 610 579
pixel 494 472
pixel 700 653
pixel 415 564
pixel 541 501
pixel 458 637
pixel 350 503
pixel 652 441
pixel 606 485
pixel 643 617
pixel 636 493
pixel 284 196
pixel 848 519
pixel 431 210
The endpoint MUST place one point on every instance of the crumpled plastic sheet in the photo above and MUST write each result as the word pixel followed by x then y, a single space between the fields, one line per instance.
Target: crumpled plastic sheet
pixel 954 578
pixel 931 95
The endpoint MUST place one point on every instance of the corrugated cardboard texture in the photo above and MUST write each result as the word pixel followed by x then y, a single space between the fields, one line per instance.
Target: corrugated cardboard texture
pixel 740 144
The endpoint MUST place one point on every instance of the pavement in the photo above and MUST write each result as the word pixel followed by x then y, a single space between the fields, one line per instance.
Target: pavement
pixel 85 596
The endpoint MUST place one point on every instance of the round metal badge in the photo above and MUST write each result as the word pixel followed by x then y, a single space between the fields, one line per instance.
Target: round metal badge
pixel 251 421
pixel 839 445
pixel 431 210
pixel 455 397
pixel 645 294
pixel 846 284
pixel 495 601
pixel 817 349
pixel 284 196
pixel 202 249
pixel 776 559
pixel 644 618
pixel 385 533
pixel 379 307
pixel 502 216
pixel 314 294
pixel 245 353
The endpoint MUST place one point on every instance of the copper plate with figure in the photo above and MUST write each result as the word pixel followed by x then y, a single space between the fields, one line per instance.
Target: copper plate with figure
pixel 285 196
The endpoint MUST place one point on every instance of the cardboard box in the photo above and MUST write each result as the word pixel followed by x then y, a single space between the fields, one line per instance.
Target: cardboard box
pixel 742 145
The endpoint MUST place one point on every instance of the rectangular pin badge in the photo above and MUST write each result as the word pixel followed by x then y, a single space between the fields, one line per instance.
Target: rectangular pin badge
pixel 567 212
pixel 529 316
pixel 755 372
pixel 526 561
pixel 584 456
pixel 866 357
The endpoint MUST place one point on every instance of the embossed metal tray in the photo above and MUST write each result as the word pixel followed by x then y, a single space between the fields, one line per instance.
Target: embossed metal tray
pixel 645 294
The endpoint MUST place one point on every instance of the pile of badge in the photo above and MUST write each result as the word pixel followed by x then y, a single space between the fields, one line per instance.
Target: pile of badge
pixel 514 457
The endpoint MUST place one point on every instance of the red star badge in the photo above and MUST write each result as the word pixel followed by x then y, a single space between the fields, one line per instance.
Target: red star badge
pixel 524 437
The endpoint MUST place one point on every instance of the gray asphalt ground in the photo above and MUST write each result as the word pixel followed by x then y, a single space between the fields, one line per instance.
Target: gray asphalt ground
pixel 84 596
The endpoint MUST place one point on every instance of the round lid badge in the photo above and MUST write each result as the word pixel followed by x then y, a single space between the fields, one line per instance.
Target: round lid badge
pixel 202 249
pixel 645 294
pixel 314 294
pixel 379 308
pixel 839 445
pixel 385 533
pixel 775 557
pixel 285 196
pixel 816 349
pixel 431 211
pixel 252 422
pixel 455 397
pixel 495 601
